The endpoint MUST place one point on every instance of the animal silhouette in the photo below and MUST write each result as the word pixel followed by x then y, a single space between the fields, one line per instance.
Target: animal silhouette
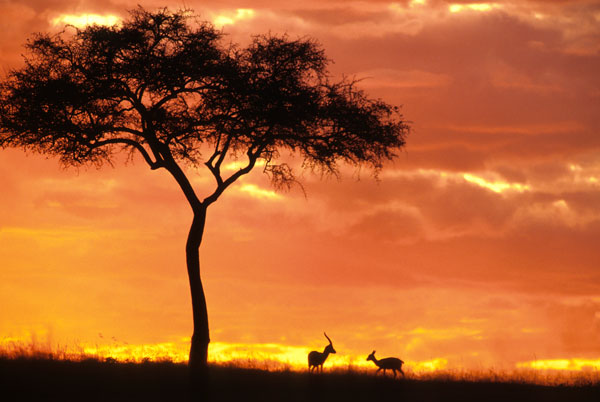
pixel 389 363
pixel 316 359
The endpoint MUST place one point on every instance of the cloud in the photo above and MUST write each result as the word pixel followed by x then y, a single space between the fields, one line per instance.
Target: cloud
pixel 257 192
pixel 387 78
pixel 82 20
pixel 478 7
pixel 230 18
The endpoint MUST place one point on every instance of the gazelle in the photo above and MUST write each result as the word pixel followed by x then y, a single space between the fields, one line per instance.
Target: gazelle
pixel 316 359
pixel 389 363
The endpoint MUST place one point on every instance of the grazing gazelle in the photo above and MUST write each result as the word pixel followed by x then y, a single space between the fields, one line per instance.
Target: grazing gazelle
pixel 316 359
pixel 389 363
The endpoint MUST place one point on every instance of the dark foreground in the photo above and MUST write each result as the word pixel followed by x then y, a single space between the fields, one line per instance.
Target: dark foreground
pixel 92 380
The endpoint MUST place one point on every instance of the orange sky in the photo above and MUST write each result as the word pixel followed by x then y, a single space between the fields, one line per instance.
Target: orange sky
pixel 478 247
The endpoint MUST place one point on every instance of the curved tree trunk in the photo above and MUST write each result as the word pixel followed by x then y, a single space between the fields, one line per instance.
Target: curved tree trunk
pixel 198 363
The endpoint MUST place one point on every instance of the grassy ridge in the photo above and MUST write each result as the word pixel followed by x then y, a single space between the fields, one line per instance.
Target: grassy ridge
pixel 94 380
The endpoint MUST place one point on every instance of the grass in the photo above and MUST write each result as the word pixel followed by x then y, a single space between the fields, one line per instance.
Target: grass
pixel 46 378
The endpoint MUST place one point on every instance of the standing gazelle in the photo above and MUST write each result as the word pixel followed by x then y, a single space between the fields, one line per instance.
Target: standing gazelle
pixel 316 359
pixel 389 363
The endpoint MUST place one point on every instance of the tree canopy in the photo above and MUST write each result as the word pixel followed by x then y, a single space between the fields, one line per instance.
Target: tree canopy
pixel 168 86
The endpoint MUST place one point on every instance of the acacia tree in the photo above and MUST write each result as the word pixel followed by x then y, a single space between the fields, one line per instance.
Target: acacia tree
pixel 165 86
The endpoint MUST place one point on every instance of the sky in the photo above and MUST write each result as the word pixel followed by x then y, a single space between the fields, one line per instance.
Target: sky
pixel 476 248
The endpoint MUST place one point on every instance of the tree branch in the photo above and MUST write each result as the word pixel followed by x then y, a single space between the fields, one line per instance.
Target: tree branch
pixel 252 158
pixel 126 141
pixel 215 167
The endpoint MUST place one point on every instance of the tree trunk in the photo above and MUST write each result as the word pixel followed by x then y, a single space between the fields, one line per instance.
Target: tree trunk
pixel 198 363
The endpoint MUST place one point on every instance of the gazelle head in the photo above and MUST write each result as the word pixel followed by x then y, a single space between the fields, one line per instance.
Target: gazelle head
pixel 329 348
pixel 371 356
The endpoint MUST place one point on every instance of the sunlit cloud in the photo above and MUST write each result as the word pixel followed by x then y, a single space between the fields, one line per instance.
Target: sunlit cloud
pixel 558 211
pixel 83 20
pixel 237 165
pixel 444 177
pixel 482 7
pixel 575 168
pixel 561 204
pixel 586 176
pixel 416 3
pixel 496 186
pixel 257 192
pixel 231 18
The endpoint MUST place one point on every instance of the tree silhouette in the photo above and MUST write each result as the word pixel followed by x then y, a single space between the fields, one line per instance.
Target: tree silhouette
pixel 164 85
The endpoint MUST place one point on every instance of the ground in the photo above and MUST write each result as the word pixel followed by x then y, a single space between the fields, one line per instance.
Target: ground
pixel 93 380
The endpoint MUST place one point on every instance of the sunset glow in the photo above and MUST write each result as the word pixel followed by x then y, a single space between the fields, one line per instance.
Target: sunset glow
pixel 257 192
pixel 476 248
pixel 231 18
pixel 456 8
pixel 562 364
pixel 416 3
pixel 495 186
pixel 82 20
